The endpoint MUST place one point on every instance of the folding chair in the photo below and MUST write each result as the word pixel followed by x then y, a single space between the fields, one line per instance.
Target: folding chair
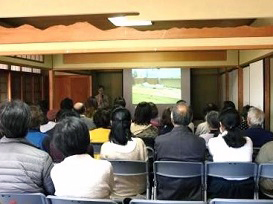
pixel 132 168
pixel 239 201
pixel 165 202
pixel 265 171
pixel 21 198
pixel 97 147
pixel 64 200
pixel 231 171
pixel 179 170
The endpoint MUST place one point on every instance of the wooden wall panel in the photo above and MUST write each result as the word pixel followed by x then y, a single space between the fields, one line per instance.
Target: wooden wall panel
pixel 267 92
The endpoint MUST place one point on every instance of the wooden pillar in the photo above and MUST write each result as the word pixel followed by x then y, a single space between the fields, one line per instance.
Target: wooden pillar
pixel 240 88
pixel 51 89
pixel 267 93
pixel 22 86
pixel 227 84
pixel 32 89
pixel 9 86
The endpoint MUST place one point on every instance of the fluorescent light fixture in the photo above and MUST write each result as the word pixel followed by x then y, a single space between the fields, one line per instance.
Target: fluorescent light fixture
pixel 123 21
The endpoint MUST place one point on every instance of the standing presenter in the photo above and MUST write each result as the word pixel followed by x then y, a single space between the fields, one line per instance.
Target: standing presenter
pixel 102 99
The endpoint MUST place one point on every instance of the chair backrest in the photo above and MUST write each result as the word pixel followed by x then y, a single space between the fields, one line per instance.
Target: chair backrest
pixel 132 168
pixel 265 171
pixel 151 152
pixel 63 200
pixel 165 202
pixel 239 201
pixel 96 147
pixel 177 169
pixel 29 198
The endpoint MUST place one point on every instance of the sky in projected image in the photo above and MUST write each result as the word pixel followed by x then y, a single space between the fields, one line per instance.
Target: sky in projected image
pixel 161 86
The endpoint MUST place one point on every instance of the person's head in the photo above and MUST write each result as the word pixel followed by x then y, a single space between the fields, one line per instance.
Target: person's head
pixel 209 107
pixel 79 108
pixel 51 115
pixel 71 136
pixel 67 104
pixel 91 102
pixel 101 89
pixel 154 110
pixel 119 102
pixel 255 116
pixel 181 114
pixel 37 117
pixel 228 105
pixel 143 114
pixel 166 116
pixel 213 120
pixel 14 119
pixel 120 130
pixel 245 111
pixel 181 101
pixel 44 106
pixel 62 114
pixel 102 118
pixel 229 121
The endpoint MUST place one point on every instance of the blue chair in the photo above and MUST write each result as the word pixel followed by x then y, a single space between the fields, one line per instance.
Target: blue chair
pixel 64 200
pixel 265 171
pixel 23 198
pixel 178 170
pixel 165 202
pixel 239 201
pixel 232 171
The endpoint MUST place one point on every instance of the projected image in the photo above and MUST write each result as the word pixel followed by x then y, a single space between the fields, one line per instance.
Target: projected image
pixel 160 86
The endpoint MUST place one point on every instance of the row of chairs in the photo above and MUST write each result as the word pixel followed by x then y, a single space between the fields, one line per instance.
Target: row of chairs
pixel 39 198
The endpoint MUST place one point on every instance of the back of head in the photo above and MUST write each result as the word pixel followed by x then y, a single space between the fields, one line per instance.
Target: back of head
pixel 209 107
pixel 37 117
pixel 143 113
pixel 230 120
pixel 120 130
pixel 79 108
pixel 181 101
pixel 67 104
pixel 181 114
pixel 71 136
pixel 14 119
pixel 213 119
pixel 64 113
pixel 255 116
pixel 228 104
pixel 166 116
pixel 102 118
pixel 154 110
pixel 119 102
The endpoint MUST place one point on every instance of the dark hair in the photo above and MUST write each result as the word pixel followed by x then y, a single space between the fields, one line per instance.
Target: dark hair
pixel 121 122
pixel 182 114
pixel 119 101
pixel 180 101
pixel 213 119
pixel 154 110
pixel 245 111
pixel 62 114
pixel 71 136
pixel 143 113
pixel 166 117
pixel 80 109
pixel 230 120
pixel 228 104
pixel 44 106
pixel 101 86
pixel 37 117
pixel 209 107
pixel 14 119
pixel 91 105
pixel 67 104
pixel 102 118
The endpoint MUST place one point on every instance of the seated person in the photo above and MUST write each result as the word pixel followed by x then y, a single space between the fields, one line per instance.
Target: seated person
pixel 23 167
pixel 243 124
pixel 123 147
pixel 34 136
pixel 166 122
pixel 79 175
pixel 51 117
pixel 230 146
pixel 155 121
pixel 81 109
pixel 258 135
pixel 141 126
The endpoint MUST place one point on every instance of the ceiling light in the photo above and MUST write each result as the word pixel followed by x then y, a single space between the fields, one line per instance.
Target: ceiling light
pixel 123 21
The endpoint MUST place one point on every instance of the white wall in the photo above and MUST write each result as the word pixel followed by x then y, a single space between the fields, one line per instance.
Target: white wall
pixel 233 87
pixel 223 88
pixel 246 99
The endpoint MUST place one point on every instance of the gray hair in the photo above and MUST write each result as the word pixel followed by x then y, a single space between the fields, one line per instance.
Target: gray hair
pixel 255 116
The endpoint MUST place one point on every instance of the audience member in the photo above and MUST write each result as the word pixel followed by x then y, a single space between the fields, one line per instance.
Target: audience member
pixel 191 125
pixel 141 126
pixel 213 124
pixel 34 136
pixel 67 104
pixel 180 145
pixel 119 102
pixel 257 134
pixel 80 109
pixel 203 128
pixel 91 105
pixel 23 167
pixel 123 147
pixel 51 117
pixel 265 155
pixel 44 106
pixel 79 175
pixel 228 104
pixel 102 98
pixel 243 124
pixel 166 122
pixel 155 121
pixel 230 146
